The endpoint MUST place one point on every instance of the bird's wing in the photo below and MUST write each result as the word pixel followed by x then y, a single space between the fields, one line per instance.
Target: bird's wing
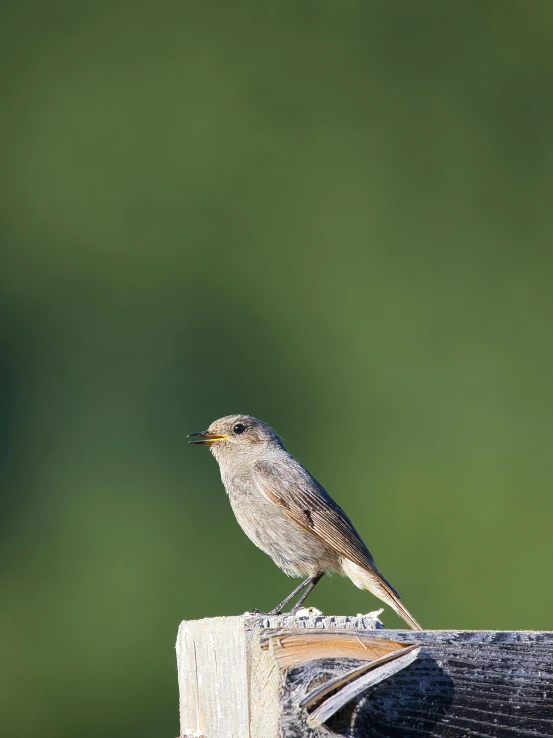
pixel 309 505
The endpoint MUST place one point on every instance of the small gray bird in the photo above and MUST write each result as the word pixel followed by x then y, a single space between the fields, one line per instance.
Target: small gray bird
pixel 288 514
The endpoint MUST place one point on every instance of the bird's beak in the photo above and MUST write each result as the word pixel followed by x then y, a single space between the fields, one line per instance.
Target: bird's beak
pixel 207 437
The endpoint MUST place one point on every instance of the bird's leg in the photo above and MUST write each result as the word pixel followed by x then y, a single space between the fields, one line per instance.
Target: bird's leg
pixel 278 609
pixel 310 582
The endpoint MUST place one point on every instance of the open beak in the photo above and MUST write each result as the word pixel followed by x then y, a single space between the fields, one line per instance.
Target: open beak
pixel 207 437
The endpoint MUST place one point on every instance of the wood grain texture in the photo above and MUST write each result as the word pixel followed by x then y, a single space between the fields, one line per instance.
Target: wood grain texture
pixel 214 658
pixel 236 681
pixel 324 701
pixel 213 678
pixel 293 647
pixel 464 684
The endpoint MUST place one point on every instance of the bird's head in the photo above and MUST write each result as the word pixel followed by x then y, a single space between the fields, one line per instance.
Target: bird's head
pixel 237 435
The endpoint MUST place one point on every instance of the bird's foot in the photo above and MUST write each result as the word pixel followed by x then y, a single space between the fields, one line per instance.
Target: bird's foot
pixel 255 611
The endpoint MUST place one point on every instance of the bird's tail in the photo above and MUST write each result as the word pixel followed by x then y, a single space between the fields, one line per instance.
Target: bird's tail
pixel 378 586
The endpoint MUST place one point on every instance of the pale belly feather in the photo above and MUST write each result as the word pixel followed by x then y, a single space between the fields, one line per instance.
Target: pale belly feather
pixel 296 551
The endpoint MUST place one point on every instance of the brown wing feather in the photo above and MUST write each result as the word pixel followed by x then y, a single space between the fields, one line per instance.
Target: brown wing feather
pixel 309 505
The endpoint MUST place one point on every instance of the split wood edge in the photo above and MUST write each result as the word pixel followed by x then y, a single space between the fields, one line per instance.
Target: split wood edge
pixel 383 658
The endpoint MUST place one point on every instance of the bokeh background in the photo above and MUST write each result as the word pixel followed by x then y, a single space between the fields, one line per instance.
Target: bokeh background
pixel 334 216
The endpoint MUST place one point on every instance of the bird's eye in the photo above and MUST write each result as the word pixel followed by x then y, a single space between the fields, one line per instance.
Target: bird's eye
pixel 239 428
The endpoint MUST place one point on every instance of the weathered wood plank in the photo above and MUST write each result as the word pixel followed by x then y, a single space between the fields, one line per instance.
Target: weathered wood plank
pixel 213 678
pixel 213 661
pixel 464 683
pixel 275 682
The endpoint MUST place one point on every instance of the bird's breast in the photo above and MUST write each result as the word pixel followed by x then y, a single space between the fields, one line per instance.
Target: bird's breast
pixel 295 550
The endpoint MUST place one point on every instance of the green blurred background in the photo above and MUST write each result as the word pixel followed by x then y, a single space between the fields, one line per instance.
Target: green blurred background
pixel 334 216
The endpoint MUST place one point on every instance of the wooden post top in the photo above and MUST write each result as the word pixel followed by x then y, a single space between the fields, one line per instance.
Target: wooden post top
pixel 309 676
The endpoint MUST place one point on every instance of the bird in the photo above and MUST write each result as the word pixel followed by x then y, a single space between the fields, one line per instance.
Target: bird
pixel 286 513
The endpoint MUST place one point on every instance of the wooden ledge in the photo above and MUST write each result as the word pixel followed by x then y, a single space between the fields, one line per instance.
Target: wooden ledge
pixel 315 676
